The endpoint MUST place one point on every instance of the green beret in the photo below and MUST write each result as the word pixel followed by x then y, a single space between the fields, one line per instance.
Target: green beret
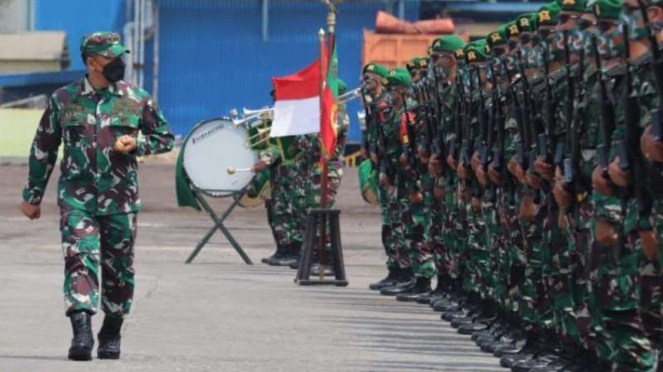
pixel 572 5
pixel 377 69
pixel 417 62
pixel 106 44
pixel 342 87
pixel 608 9
pixel 448 43
pixel 524 23
pixel 534 21
pixel 512 29
pixel 549 14
pixel 399 77
pixel 498 37
pixel 476 51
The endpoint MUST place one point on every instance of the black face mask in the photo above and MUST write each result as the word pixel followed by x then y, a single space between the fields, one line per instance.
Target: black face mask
pixel 114 71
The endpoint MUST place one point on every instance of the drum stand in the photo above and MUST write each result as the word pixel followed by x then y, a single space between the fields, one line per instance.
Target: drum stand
pixel 218 222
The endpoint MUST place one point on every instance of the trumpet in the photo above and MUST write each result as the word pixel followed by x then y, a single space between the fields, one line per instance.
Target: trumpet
pixel 253 115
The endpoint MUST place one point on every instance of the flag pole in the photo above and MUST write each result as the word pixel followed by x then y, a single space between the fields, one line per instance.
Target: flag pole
pixel 322 243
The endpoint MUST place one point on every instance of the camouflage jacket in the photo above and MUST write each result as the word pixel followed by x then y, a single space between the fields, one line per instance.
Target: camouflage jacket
pixel 94 177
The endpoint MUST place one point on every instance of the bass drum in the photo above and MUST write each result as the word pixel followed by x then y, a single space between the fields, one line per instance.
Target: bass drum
pixel 213 147
pixel 368 182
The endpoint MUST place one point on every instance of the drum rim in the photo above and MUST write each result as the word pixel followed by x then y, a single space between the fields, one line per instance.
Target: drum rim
pixel 210 193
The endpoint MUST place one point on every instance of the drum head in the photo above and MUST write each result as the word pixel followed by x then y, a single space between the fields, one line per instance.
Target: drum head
pixel 210 150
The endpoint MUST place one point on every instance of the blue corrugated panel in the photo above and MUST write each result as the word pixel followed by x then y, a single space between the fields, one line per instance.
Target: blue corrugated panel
pixel 212 57
pixel 78 18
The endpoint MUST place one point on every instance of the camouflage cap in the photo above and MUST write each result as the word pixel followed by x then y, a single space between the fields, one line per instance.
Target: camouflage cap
pixel 476 51
pixel 608 9
pixel 524 23
pixel 549 14
pixel 399 77
pixel 106 44
pixel 377 69
pixel 498 37
pixel 449 43
pixel 572 5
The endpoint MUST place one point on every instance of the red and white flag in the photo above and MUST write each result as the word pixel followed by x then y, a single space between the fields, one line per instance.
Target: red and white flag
pixel 297 106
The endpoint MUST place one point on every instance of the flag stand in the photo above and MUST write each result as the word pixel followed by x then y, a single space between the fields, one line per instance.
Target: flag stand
pixel 320 220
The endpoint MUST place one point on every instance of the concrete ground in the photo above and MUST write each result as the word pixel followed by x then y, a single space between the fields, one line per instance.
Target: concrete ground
pixel 218 314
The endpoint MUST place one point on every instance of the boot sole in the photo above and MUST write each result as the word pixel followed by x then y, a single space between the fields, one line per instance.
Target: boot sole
pixel 108 355
pixel 80 355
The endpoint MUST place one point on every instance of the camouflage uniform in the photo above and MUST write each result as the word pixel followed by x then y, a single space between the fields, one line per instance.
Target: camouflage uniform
pixel 98 187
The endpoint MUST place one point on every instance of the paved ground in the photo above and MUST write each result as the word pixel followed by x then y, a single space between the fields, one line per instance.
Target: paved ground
pixel 219 314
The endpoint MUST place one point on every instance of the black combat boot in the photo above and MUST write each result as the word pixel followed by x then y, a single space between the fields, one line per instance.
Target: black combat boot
pixel 83 341
pixel 290 256
pixel 278 255
pixel 109 338
pixel 405 283
pixel 442 288
pixel 421 287
pixel 389 281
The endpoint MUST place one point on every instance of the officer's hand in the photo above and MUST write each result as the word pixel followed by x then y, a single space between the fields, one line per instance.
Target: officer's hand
pixel 259 166
pixel 649 244
pixel 374 158
pixel 617 175
pixel 495 177
pixel 562 196
pixel 600 183
pixel 476 161
pixel 527 209
pixel 533 180
pixel 463 171
pixel 452 163
pixel 31 211
pixel 434 166
pixel 481 176
pixel 606 234
pixel 520 174
pixel 125 144
pixel 651 149
pixel 512 165
pixel 545 170
pixel 416 197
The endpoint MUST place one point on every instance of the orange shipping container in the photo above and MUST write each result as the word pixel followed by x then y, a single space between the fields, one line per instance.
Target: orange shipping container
pixel 394 50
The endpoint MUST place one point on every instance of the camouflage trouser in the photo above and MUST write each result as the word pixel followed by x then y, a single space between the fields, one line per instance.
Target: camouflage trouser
pixel 618 291
pixel 511 238
pixel 421 253
pixel 498 258
pixel 88 242
pixel 534 305
pixel 478 264
pixel 459 226
pixel 393 239
pixel 651 280
pixel 287 203
pixel 435 210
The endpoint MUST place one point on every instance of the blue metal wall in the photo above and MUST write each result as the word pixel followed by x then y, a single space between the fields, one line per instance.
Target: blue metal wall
pixel 212 56
pixel 78 18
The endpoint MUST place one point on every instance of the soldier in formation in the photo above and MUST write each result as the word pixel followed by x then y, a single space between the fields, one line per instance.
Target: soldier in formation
pixel 521 170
